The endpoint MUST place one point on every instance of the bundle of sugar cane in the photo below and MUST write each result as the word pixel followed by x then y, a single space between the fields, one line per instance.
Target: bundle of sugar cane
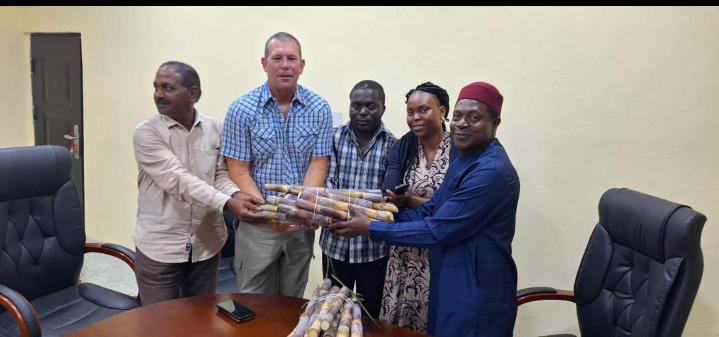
pixel 316 327
pixel 322 192
pixel 310 206
pixel 313 307
pixel 342 206
pixel 292 213
pixel 371 195
pixel 297 188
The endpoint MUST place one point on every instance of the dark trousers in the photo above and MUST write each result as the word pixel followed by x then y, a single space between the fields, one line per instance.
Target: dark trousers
pixel 369 277
pixel 159 281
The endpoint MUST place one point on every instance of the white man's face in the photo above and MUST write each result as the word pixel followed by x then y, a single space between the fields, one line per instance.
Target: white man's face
pixel 283 64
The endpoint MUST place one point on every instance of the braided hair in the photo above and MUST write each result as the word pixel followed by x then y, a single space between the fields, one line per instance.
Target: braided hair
pixel 409 143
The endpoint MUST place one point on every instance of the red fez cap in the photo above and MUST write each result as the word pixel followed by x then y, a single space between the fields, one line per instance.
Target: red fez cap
pixel 483 92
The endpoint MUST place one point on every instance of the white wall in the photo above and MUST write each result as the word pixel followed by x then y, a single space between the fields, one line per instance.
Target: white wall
pixel 594 98
pixel 16 128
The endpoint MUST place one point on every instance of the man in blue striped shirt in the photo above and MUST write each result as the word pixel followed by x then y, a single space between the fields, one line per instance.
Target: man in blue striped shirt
pixel 279 133
pixel 359 160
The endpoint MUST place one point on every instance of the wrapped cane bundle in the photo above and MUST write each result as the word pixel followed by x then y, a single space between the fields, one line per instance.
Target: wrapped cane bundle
pixel 371 195
pixel 311 309
pixel 289 188
pixel 288 207
pixel 363 197
pixel 382 206
pixel 344 207
pixel 321 206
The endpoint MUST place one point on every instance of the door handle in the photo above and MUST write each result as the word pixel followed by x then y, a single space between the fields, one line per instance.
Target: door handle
pixel 75 146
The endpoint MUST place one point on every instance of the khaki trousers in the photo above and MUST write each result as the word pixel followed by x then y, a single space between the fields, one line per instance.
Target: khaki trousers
pixel 268 262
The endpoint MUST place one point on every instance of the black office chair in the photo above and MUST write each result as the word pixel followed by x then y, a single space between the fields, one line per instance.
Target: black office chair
pixel 641 270
pixel 227 278
pixel 42 243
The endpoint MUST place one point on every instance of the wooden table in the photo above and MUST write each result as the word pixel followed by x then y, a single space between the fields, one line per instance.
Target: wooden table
pixel 277 315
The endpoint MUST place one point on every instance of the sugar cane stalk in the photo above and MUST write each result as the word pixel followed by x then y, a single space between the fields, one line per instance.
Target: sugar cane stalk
pixel 373 213
pixel 332 331
pixel 276 201
pixel 343 330
pixel 356 321
pixel 335 204
pixel 272 216
pixel 304 204
pixel 344 198
pixel 385 206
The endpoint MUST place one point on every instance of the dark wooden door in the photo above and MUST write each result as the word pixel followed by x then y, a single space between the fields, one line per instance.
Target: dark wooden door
pixel 57 96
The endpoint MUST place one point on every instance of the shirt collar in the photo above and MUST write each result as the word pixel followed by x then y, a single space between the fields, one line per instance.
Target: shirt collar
pixel 197 118
pixel 266 95
pixel 487 150
pixel 381 130
pixel 169 122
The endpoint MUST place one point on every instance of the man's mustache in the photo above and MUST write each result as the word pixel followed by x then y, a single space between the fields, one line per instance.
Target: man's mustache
pixel 162 102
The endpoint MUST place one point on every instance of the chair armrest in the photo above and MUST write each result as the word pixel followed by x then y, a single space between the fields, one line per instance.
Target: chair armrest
pixel 543 293
pixel 120 252
pixel 22 310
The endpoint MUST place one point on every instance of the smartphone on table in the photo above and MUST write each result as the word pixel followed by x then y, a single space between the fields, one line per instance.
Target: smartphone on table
pixel 236 311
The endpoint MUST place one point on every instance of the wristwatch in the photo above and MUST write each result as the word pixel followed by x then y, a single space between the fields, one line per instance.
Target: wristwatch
pixel 234 194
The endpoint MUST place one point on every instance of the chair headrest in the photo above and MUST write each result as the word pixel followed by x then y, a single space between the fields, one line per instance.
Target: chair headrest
pixel 657 228
pixel 32 171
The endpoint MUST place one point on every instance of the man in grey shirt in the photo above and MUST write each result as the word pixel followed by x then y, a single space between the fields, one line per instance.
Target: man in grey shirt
pixel 183 187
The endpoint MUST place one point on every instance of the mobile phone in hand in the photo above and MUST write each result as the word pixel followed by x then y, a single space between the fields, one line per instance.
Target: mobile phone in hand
pixel 236 311
pixel 400 189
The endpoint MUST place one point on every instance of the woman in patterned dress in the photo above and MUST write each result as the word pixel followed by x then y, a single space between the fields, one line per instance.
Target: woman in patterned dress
pixel 420 158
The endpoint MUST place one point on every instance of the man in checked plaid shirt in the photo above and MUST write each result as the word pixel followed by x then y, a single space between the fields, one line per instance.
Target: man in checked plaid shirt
pixel 279 133
pixel 359 159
